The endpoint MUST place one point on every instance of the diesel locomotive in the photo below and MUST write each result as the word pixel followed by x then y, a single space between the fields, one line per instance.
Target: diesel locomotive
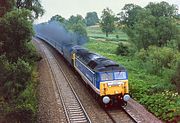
pixel 106 78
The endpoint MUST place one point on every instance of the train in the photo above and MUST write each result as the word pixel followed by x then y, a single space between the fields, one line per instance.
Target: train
pixel 107 79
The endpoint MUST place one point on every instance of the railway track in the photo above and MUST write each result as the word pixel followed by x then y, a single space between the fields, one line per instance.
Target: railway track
pixel 117 116
pixel 74 110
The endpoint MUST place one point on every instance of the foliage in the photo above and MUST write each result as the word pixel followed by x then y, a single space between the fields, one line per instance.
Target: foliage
pixel 152 25
pixel 166 30
pixel 178 39
pixel 18 99
pixel 57 18
pixel 107 21
pixel 91 18
pixel 5 70
pixel 80 32
pixel 5 6
pixel 129 14
pixel 24 107
pixel 78 19
pixel 156 59
pixel 162 9
pixel 16 30
pixel 122 50
pixel 18 90
pixel 32 56
pixel 176 78
pixel 168 110
pixel 33 5
pixel 79 28
pixel 77 25
pixel 17 79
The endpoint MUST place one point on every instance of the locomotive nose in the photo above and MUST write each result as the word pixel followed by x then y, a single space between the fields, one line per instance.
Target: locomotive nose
pixel 106 100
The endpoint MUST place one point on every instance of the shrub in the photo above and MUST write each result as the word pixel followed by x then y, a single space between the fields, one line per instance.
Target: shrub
pixel 165 105
pixel 18 91
pixel 32 55
pixel 122 49
pixel 16 82
pixel 156 59
pixel 4 70
pixel 176 78
pixel 117 36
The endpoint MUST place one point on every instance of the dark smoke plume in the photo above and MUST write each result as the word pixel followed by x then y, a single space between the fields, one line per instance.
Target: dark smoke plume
pixel 55 31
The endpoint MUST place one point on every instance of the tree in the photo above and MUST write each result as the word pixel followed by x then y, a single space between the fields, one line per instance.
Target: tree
pixel 76 19
pixel 91 18
pixel 58 18
pixel 166 30
pixel 16 31
pixel 81 33
pixel 148 27
pixel 162 9
pixel 14 77
pixel 143 33
pixel 129 14
pixel 32 5
pixel 107 21
pixel 16 58
pixel 5 6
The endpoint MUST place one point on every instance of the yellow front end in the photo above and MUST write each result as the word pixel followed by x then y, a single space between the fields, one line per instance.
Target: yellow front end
pixel 114 87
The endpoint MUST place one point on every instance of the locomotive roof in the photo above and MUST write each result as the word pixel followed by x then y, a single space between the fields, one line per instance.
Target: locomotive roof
pixel 95 61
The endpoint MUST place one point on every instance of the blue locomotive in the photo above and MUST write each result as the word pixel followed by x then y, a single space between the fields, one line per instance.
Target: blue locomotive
pixel 105 77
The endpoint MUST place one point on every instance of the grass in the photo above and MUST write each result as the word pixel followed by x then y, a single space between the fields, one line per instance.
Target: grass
pixel 151 90
pixel 95 32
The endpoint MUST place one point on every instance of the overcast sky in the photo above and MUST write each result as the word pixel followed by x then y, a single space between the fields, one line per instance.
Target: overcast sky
pixel 66 8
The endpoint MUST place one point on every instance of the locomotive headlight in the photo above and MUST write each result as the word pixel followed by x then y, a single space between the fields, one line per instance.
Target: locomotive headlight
pixel 106 100
pixel 126 97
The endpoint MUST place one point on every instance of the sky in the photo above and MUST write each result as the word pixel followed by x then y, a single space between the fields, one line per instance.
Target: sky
pixel 66 8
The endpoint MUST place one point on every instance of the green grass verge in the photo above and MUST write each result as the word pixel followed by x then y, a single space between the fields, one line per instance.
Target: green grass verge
pixel 95 32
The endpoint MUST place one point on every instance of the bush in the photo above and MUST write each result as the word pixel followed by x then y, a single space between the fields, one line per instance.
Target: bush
pixel 165 105
pixel 122 50
pixel 176 78
pixel 26 104
pixel 32 55
pixel 17 79
pixel 4 70
pixel 117 36
pixel 18 91
pixel 156 60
